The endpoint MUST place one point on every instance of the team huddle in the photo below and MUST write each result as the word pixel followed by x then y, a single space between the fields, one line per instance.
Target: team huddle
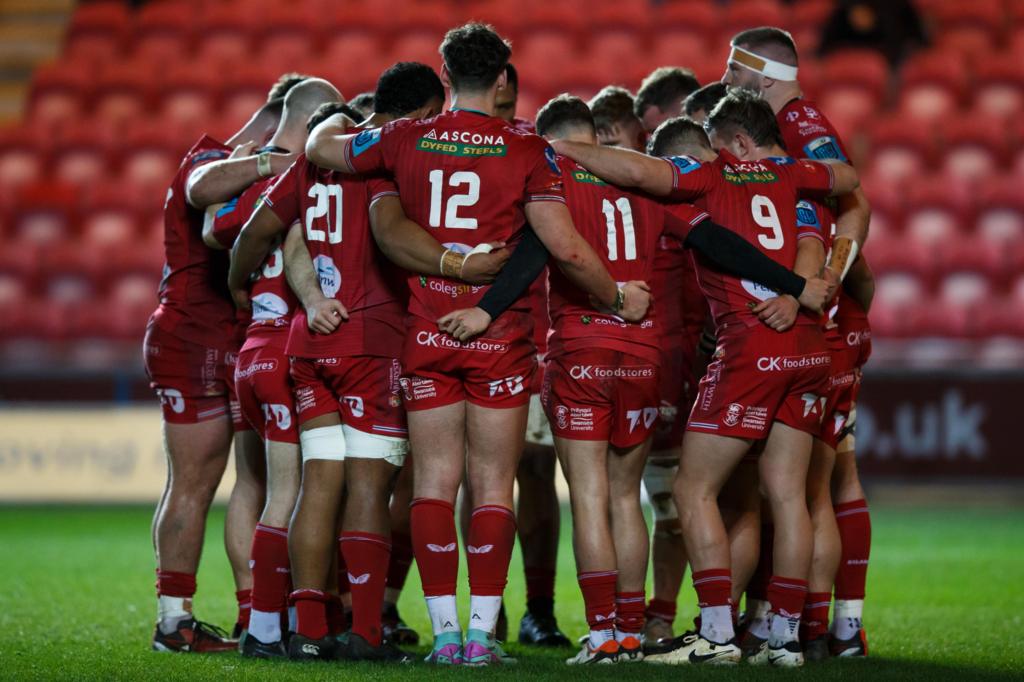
pixel 386 307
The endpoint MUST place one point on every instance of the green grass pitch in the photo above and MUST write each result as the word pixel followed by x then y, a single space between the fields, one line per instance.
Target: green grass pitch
pixel 946 598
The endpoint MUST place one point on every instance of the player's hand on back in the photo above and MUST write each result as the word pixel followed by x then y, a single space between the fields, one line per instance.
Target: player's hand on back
pixel 325 315
pixel 779 312
pixel 636 300
pixel 243 150
pixel 482 267
pixel 464 324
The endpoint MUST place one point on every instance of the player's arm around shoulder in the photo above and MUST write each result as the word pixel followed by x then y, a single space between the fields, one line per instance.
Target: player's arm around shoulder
pixel 622 167
pixel 323 315
pixel 328 145
pixel 250 248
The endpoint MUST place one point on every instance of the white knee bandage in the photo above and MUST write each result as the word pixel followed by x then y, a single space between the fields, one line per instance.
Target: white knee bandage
pixel 847 442
pixel 538 430
pixel 325 442
pixel 374 446
pixel 658 480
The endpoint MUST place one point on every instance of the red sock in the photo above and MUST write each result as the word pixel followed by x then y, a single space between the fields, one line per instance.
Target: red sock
pixel 661 609
pixel 367 556
pixel 787 596
pixel 598 588
pixel 244 599
pixel 714 587
pixel 435 545
pixel 401 560
pixel 342 569
pixel 174 584
pixel 492 533
pixel 629 612
pixel 540 583
pixel 310 612
pixel 269 564
pixel 855 533
pixel 814 622
pixel 757 588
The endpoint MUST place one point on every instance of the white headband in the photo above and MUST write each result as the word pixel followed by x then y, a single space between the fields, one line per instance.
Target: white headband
pixel 762 65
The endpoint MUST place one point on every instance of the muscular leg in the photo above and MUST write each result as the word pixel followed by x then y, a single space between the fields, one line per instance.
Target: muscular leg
pixel 196 455
pixel 585 466
pixel 854 523
pixel 366 540
pixel 668 551
pixel 539 519
pixel 827 547
pixel 244 505
pixel 438 438
pixel 783 469
pixel 629 532
pixel 740 502
pixel 312 537
pixel 269 554
pixel 704 469
pixel 494 445
pixel 399 519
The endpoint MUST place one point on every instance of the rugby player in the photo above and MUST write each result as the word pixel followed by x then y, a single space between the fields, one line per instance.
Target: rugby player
pixel 612 567
pixel 765 59
pixel 661 95
pixel 263 384
pixel 617 125
pixel 352 426
pixel 700 102
pixel 190 349
pixel 743 397
pixel 471 178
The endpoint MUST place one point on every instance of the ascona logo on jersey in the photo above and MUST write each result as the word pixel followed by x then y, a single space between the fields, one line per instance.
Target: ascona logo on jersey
pixel 462 143
pixel 329 275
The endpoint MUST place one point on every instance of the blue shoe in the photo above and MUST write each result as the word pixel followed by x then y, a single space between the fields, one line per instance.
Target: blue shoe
pixel 482 649
pixel 447 649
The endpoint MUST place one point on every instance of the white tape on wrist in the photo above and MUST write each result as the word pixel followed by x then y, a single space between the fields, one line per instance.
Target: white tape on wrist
pixel 479 248
pixel 854 249
pixel 762 65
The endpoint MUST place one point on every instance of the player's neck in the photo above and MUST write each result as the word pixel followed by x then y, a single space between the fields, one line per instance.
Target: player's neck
pixel 782 94
pixel 482 102
pixel 376 120
pixel 288 139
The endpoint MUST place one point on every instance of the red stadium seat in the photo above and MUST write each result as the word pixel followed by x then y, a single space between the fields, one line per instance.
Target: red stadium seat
pixel 290 33
pixel 679 46
pixel 633 17
pixel 418 47
pixel 59 93
pixel 45 213
pixel 97 32
pixel 163 32
pixel 937 207
pixel 969 27
pixel 124 93
pixel 434 18
pixel 612 57
pixel 80 158
pixel 698 17
pixel 188 95
pixel 932 86
pixel 543 59
pixel 739 16
pixel 225 34
pixel 857 81
pixel 22 158
pixel 999 85
pixel 973 148
pixel 900 149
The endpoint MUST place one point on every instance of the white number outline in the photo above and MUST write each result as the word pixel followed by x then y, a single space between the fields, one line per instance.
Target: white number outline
pixel 628 230
pixel 456 201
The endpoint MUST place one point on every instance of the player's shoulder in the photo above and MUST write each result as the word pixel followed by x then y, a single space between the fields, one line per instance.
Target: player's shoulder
pixel 808 214
pixel 684 163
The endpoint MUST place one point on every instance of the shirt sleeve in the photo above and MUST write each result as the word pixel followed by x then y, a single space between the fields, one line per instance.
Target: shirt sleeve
pixel 812 179
pixel 809 222
pixel 373 150
pixel 380 187
pixel 231 218
pixel 544 179
pixel 691 179
pixel 810 134
pixel 681 218
pixel 282 197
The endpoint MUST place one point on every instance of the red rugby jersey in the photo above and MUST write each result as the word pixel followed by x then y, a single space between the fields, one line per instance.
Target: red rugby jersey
pixel 808 133
pixel 757 200
pixel 195 304
pixel 333 209
pixel 272 299
pixel 465 177
pixel 624 229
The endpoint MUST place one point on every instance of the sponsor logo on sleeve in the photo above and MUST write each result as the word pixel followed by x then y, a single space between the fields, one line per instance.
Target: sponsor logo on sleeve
pixel 806 216
pixel 209 154
pixel 824 147
pixel 365 140
pixel 685 164
pixel 549 156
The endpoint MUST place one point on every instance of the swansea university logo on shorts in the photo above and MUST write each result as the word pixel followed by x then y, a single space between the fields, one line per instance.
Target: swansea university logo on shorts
pixel 462 143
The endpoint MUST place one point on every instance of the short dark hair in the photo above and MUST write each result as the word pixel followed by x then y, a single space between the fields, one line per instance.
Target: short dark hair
pixel 328 109
pixel 749 112
pixel 778 41
pixel 513 76
pixel 475 56
pixel 363 101
pixel 676 133
pixel 286 82
pixel 663 87
pixel 704 98
pixel 611 106
pixel 563 112
pixel 405 87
